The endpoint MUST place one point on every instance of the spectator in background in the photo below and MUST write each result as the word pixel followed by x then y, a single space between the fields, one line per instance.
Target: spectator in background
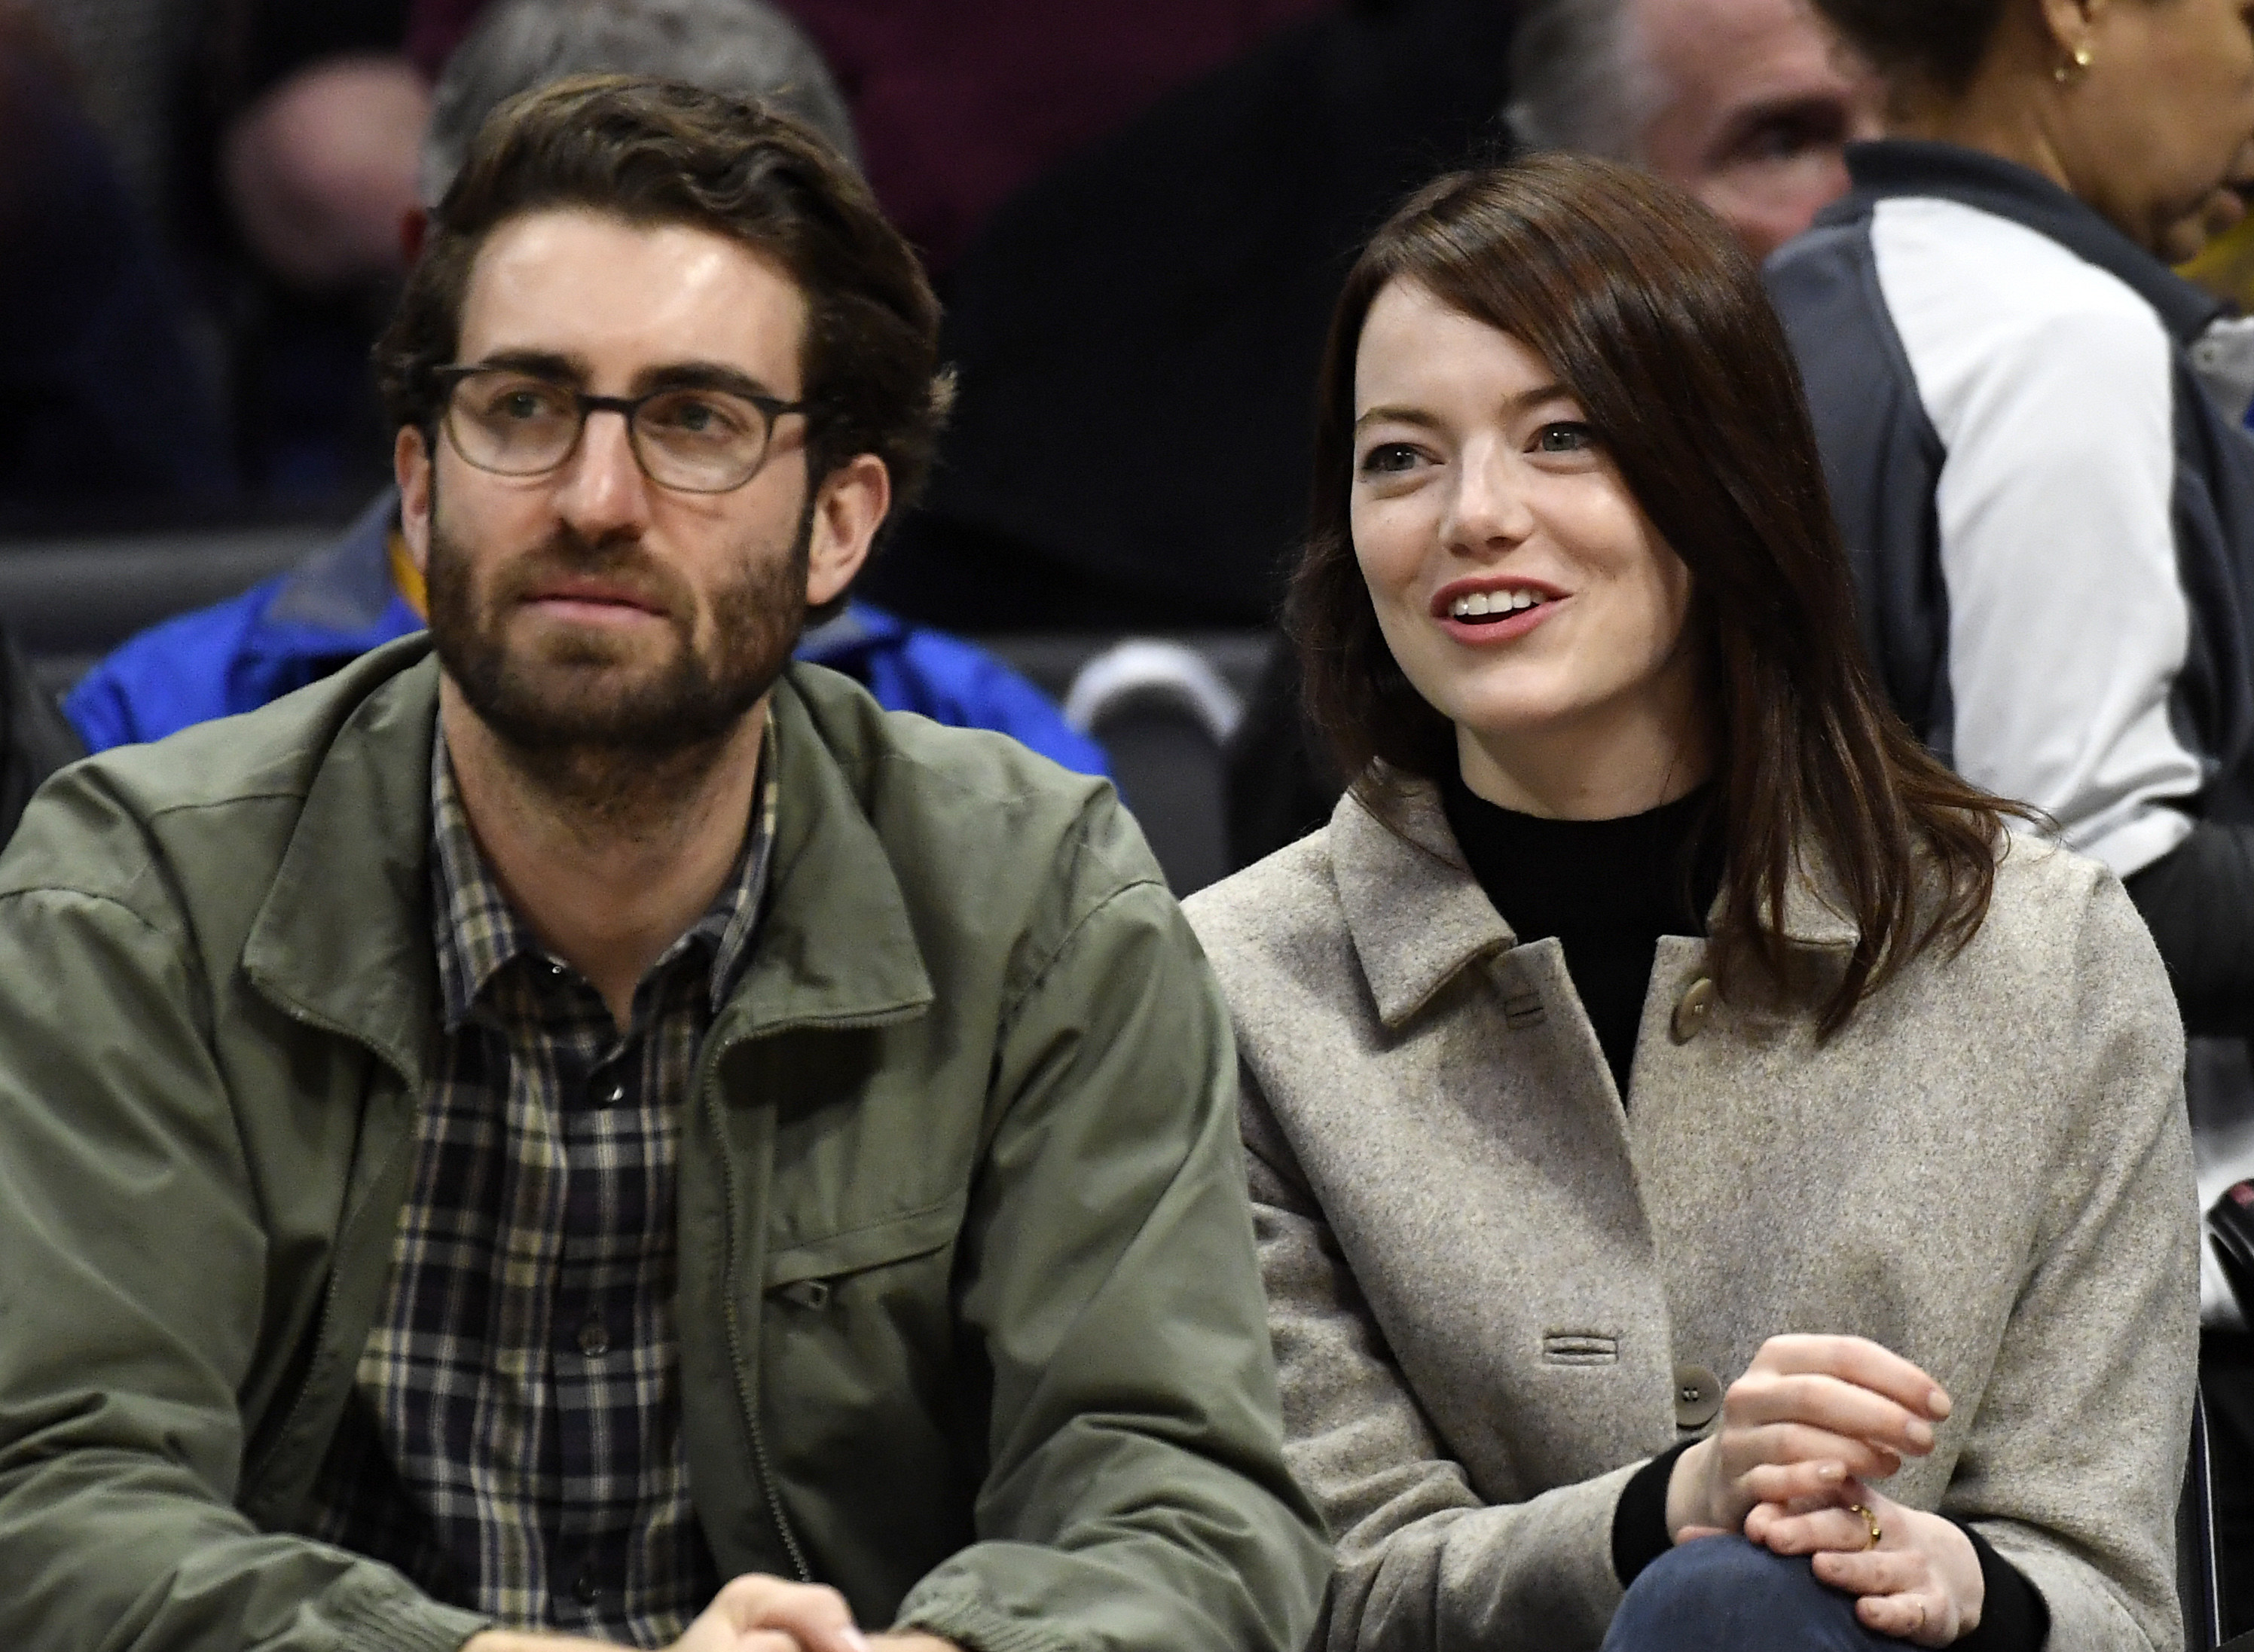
pixel 1746 103
pixel 291 630
pixel 2052 517
pixel 102 402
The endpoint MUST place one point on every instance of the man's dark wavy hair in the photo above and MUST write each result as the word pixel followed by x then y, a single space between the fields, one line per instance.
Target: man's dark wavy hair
pixel 652 152
pixel 1650 311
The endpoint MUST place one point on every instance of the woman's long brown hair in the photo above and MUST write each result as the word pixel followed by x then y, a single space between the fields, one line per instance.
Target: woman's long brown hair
pixel 1648 309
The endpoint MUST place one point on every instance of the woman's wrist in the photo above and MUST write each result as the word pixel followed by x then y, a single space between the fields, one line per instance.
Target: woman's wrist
pixel 1690 1491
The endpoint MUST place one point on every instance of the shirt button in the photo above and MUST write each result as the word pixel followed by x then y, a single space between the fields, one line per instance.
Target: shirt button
pixel 583 1587
pixel 594 1338
pixel 1692 1010
pixel 1697 1396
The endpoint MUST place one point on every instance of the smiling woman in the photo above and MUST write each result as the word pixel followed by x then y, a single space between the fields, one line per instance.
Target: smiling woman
pixel 1654 1012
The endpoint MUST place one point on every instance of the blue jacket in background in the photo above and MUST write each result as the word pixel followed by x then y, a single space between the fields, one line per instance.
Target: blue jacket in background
pixel 299 626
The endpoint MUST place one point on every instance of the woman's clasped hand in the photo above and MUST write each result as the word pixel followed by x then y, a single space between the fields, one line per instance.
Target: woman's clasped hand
pixel 1812 1421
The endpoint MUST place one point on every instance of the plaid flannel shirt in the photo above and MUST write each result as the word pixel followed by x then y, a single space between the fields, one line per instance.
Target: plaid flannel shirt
pixel 514 1440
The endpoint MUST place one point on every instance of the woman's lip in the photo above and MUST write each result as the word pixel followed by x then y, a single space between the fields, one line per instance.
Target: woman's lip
pixel 1445 597
pixel 1499 631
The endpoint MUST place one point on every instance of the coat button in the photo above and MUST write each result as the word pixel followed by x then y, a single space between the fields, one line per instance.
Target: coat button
pixel 1692 1009
pixel 1697 1396
pixel 594 1339
pixel 584 1590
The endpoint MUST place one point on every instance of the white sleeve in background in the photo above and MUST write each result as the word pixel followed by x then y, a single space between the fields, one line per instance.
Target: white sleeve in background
pixel 2049 381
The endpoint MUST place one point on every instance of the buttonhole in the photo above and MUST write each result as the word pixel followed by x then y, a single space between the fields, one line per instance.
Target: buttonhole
pixel 1580 1348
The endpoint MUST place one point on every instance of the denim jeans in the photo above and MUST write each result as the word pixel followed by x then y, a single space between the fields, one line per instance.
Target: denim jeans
pixel 1725 1595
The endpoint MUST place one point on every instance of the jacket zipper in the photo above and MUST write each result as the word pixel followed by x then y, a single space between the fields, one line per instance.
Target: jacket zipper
pixel 761 1466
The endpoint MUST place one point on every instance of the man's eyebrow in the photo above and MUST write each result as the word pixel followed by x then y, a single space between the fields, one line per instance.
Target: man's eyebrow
pixel 556 368
pixel 539 364
pixel 704 375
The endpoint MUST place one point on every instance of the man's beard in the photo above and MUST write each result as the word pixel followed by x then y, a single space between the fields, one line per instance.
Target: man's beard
pixel 571 709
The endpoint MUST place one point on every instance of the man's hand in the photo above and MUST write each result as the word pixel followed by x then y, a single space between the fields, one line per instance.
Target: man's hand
pixel 1920 1582
pixel 753 1613
pixel 1812 1414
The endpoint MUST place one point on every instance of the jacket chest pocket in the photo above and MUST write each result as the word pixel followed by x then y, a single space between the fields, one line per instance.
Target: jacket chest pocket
pixel 863 1313
pixel 860 1381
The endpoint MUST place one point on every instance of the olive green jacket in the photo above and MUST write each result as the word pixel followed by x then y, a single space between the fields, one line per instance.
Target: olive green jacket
pixel 971 1324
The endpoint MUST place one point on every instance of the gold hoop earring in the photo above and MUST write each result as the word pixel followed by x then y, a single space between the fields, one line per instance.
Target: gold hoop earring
pixel 2066 73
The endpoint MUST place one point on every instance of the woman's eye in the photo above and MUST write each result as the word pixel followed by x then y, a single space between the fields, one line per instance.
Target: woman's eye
pixel 1389 458
pixel 1566 438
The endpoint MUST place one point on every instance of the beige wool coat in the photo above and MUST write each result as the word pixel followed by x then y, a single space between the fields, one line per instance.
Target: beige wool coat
pixel 1494 1293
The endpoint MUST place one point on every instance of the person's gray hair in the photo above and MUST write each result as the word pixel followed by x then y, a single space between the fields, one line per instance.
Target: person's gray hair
pixel 743 47
pixel 1578 81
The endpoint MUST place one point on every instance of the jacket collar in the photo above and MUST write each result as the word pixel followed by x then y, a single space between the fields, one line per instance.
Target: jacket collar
pixel 1903 166
pixel 345 941
pixel 1417 918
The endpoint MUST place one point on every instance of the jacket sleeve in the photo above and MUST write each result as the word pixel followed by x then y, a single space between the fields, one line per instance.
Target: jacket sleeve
pixel 132 1262
pixel 1135 1493
pixel 1423 1565
pixel 2074 1465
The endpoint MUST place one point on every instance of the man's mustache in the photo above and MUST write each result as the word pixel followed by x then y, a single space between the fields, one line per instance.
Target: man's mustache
pixel 618 561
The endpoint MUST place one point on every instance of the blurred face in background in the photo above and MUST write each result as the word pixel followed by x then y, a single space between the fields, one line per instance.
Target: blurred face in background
pixel 1750 102
pixel 2162 119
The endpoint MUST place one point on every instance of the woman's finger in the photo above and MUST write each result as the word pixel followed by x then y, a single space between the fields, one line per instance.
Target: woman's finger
pixel 1880 1570
pixel 1827 1402
pixel 1824 1530
pixel 1745 1449
pixel 1856 1360
pixel 1922 1617
pixel 1796 1487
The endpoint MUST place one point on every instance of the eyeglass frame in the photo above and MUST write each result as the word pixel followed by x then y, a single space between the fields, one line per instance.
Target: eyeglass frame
pixel 453 375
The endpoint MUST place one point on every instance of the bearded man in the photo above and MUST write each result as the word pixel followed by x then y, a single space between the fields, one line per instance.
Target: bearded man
pixel 604 1135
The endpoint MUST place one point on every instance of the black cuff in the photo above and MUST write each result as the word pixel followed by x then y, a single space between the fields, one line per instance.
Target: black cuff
pixel 1640 1518
pixel 2013 1615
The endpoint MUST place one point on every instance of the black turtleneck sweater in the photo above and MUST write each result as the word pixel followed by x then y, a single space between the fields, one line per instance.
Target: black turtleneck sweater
pixel 1607 889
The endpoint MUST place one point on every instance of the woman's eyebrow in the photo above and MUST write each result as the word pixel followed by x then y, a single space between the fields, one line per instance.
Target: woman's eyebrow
pixel 1399 415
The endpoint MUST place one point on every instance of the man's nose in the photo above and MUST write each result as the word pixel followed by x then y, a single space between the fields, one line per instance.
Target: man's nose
pixel 603 489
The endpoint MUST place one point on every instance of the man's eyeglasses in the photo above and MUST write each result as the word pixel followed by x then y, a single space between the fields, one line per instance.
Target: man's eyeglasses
pixel 694 439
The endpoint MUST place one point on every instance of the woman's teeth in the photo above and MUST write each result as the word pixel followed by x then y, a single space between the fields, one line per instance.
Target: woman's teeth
pixel 1484 605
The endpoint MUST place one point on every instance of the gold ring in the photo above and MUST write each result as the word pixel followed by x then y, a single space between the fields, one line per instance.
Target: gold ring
pixel 1870 1521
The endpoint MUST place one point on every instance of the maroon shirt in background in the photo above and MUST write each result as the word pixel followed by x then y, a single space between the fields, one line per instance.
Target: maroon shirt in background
pixel 960 101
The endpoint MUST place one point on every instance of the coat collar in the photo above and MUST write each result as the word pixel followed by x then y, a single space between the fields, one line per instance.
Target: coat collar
pixel 344 939
pixel 1905 166
pixel 1417 918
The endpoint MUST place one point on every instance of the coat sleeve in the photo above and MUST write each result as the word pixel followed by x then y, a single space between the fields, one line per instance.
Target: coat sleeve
pixel 1423 1565
pixel 2073 1467
pixel 132 1262
pixel 1135 1493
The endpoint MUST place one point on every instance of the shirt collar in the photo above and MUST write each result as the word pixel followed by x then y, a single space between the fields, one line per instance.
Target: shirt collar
pixel 479 934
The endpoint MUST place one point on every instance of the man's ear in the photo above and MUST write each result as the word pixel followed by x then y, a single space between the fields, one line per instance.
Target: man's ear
pixel 410 466
pixel 848 510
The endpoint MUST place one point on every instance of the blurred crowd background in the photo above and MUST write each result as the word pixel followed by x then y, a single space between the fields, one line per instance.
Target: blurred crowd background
pixel 1137 213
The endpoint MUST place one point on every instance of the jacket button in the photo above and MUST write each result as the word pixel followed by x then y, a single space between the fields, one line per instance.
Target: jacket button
pixel 594 1339
pixel 1692 1009
pixel 1697 1396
